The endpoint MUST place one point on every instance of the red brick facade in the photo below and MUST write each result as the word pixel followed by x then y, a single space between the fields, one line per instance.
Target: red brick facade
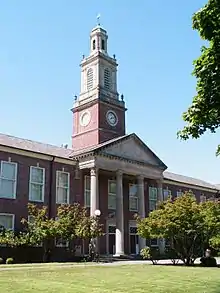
pixel 98 130
pixel 18 206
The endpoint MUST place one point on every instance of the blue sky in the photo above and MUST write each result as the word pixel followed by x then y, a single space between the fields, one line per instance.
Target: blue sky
pixel 40 50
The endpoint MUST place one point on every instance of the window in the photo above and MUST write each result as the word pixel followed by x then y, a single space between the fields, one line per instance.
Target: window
pixel 103 45
pixel 133 230
pixel 166 194
pixel 154 242
pixel 202 198
pixel 89 79
pixel 62 187
pixel 7 221
pixel 152 198
pixel 111 229
pixel 107 79
pixel 8 179
pixel 179 193
pixel 61 242
pixel 93 44
pixel 36 185
pixel 87 190
pixel 133 197
pixel 112 194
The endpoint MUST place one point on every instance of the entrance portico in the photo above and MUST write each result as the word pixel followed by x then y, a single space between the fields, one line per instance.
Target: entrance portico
pixel 122 157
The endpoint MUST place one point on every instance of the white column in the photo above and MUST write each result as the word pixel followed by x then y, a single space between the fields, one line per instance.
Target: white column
pixel 160 198
pixel 141 208
pixel 94 198
pixel 119 234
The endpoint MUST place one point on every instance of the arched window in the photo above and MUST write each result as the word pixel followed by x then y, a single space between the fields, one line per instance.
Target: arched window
pixel 89 79
pixel 107 79
pixel 93 44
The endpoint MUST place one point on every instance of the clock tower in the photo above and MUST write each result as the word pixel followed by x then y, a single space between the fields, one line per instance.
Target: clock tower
pixel 98 112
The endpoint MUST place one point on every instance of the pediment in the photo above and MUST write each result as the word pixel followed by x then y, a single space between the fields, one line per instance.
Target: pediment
pixel 132 148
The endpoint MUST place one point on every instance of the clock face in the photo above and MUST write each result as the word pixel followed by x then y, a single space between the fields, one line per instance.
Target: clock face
pixel 85 118
pixel 112 118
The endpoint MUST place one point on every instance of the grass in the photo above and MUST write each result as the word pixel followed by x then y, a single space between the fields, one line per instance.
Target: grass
pixel 106 279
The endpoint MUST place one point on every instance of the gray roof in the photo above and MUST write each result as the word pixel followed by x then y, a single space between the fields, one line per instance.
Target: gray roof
pixel 188 180
pixel 34 146
pixel 42 148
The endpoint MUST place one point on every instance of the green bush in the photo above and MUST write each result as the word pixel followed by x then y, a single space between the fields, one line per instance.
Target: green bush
pixel 208 261
pixel 145 253
pixel 9 261
pixel 1 261
pixel 151 253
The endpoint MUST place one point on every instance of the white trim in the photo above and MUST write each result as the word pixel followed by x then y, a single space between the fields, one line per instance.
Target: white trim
pixel 58 172
pixel 42 184
pixel 14 180
pixel 84 124
pixel 86 204
pixel 116 118
pixel 13 219
pixel 111 194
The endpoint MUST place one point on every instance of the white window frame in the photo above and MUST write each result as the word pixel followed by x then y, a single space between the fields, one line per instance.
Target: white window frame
pixel 36 183
pixel 13 219
pixel 4 178
pixel 86 190
pixel 58 172
pixel 110 194
pixel 150 199
pixel 133 197
pixel 179 193
pixel 169 194
pixel 202 198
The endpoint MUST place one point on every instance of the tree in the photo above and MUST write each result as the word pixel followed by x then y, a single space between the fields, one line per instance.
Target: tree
pixel 73 223
pixel 40 229
pixel 188 225
pixel 204 113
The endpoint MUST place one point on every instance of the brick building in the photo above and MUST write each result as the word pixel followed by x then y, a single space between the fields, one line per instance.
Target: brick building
pixel 105 169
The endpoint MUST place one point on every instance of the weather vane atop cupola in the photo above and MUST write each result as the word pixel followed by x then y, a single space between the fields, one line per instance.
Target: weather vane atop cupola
pixel 98 19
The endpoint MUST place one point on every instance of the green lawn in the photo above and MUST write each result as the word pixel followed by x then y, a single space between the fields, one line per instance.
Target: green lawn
pixel 102 279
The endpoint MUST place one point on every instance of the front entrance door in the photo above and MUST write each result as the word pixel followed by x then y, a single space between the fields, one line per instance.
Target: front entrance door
pixel 111 239
pixel 133 241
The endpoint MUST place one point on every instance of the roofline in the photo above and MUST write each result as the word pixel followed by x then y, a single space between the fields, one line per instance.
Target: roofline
pixel 41 155
pixel 185 184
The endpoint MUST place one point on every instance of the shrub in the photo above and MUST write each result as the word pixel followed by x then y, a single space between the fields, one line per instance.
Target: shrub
pixel 9 261
pixel 145 253
pixel 1 261
pixel 150 253
pixel 208 261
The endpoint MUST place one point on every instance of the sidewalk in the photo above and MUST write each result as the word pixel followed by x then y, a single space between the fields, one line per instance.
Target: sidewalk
pixel 86 264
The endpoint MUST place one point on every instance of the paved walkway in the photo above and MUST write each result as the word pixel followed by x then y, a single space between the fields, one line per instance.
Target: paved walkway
pixel 38 266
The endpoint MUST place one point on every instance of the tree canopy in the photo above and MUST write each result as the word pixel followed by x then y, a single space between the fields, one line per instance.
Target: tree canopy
pixel 204 113
pixel 188 225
